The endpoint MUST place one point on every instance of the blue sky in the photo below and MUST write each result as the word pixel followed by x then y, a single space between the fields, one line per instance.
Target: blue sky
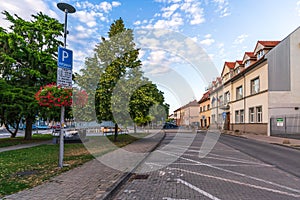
pixel 224 29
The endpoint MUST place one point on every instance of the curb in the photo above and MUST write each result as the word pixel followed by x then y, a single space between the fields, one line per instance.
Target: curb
pixel 110 194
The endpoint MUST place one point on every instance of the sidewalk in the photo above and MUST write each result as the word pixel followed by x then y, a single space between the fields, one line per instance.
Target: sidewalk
pixel 23 146
pixel 93 180
pixel 273 140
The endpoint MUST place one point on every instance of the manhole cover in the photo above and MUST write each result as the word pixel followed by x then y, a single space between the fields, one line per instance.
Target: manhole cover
pixel 140 176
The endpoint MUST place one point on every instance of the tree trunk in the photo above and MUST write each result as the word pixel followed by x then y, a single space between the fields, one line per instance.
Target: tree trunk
pixel 28 130
pixel 116 132
pixel 134 127
pixel 13 134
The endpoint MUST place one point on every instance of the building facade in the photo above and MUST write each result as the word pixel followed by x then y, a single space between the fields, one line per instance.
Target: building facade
pixel 204 114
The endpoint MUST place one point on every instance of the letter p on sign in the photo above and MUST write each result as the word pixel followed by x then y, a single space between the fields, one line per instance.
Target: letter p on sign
pixel 65 58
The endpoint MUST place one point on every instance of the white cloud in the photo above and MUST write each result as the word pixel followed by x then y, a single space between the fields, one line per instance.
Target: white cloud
pixel 137 22
pixel 240 39
pixel 208 40
pixel 174 23
pixel 168 11
pixel 194 11
pixel 105 6
pixel 25 10
pixel 115 3
pixel 223 7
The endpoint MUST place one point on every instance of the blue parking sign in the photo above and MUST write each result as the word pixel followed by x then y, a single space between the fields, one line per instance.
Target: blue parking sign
pixel 65 58
pixel 224 115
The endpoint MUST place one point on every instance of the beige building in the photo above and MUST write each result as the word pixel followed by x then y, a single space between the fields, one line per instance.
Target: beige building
pixel 205 113
pixel 188 115
pixel 241 101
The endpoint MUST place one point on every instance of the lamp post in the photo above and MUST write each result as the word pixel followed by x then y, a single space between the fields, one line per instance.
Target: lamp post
pixel 66 8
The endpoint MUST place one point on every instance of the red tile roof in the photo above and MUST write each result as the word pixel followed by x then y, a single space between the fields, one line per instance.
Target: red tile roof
pixel 231 65
pixel 269 43
pixel 250 54
pixel 205 97
pixel 240 62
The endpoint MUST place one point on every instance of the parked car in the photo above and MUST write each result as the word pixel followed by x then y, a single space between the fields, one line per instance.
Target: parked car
pixel 34 127
pixel 169 125
pixel 43 127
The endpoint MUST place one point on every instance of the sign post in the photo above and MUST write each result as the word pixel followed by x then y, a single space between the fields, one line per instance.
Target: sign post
pixel 64 75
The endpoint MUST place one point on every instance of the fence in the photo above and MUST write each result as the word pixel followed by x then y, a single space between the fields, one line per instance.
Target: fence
pixel 285 126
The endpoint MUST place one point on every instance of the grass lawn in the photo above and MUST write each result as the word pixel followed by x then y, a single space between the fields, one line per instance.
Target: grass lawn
pixel 26 168
pixel 5 142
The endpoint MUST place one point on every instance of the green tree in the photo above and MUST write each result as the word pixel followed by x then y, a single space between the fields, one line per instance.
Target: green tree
pixel 28 53
pixel 117 54
pixel 87 79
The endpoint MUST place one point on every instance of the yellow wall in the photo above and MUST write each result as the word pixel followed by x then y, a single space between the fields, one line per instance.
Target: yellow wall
pixel 205 114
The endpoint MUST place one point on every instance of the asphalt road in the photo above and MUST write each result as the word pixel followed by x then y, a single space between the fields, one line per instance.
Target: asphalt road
pixel 286 159
pixel 176 170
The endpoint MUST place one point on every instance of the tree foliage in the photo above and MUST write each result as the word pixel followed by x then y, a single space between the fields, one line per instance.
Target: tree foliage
pixel 28 52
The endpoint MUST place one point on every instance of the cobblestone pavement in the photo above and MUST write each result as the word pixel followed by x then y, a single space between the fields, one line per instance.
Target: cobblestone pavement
pixel 225 173
pixel 93 180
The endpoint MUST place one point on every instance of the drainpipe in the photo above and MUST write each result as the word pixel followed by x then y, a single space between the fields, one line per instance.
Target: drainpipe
pixel 244 96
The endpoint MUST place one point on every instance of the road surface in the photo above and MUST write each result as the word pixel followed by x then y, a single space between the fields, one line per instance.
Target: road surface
pixel 235 168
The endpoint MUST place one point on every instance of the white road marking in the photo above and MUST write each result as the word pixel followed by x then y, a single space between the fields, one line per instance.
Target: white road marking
pixel 197 189
pixel 238 182
pixel 223 165
pixel 222 157
pixel 237 173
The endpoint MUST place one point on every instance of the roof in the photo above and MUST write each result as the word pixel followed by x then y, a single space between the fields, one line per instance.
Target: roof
pixel 205 97
pixel 268 43
pixel 230 65
pixel 240 62
pixel 250 54
pixel 191 104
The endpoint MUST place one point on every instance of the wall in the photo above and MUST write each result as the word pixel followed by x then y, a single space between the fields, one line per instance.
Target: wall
pixel 284 100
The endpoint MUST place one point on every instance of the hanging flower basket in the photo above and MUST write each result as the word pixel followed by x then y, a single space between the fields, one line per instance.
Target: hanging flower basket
pixel 54 96
pixel 80 98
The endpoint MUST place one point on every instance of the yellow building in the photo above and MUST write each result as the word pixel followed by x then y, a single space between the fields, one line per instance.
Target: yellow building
pixel 205 113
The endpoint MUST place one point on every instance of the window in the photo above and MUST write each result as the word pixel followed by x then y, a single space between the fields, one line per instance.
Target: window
pixel 259 114
pixel 237 116
pixel 213 102
pixel 247 63
pixel 204 108
pixel 200 109
pixel 260 54
pixel 221 100
pixel 227 97
pixel 242 116
pixel 255 86
pixel 239 92
pixel 208 107
pixel 251 115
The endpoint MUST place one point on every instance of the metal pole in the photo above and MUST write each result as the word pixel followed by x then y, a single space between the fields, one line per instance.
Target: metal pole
pixel 62 111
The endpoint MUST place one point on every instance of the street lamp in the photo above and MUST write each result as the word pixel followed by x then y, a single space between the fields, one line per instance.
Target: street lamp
pixel 66 8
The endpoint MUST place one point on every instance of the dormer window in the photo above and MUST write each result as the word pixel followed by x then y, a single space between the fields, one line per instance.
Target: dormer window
pixel 260 54
pixel 247 63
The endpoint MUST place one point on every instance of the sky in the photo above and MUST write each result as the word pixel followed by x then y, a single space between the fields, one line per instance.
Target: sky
pixel 184 43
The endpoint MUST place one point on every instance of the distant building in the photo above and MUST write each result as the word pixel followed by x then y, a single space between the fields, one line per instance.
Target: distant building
pixel 204 114
pixel 188 115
